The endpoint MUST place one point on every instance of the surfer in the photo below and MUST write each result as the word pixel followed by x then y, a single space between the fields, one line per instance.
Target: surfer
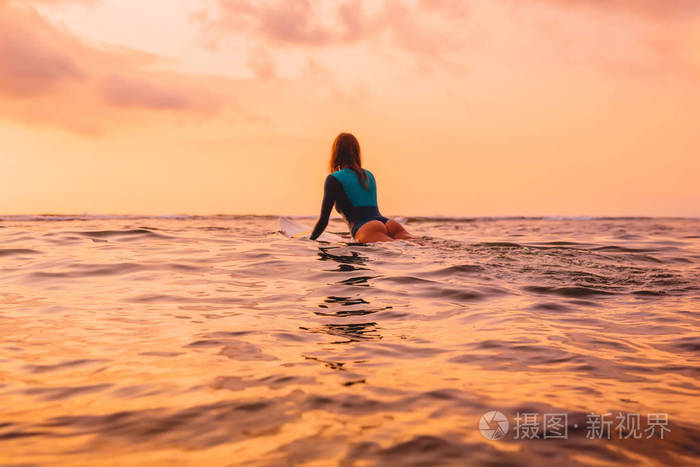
pixel 353 191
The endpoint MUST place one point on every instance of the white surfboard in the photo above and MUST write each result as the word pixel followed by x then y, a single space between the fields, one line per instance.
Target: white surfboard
pixel 293 229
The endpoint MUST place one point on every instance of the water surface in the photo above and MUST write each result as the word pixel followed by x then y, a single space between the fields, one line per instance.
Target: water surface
pixel 218 341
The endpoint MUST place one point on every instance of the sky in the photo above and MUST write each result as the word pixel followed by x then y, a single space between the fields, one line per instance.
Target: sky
pixel 462 107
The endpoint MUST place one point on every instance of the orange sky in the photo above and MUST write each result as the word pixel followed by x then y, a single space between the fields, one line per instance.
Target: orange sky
pixel 482 107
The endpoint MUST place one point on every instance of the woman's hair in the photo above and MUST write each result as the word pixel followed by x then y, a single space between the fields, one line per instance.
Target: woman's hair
pixel 345 154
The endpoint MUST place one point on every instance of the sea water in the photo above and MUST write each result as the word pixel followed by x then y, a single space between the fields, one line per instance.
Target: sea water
pixel 188 340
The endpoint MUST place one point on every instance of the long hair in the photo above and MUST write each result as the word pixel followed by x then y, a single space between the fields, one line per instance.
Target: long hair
pixel 345 154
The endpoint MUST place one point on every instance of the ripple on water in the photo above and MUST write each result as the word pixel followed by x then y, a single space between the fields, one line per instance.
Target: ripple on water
pixel 133 339
pixel 121 234
pixel 65 365
pixel 566 291
pixel 18 252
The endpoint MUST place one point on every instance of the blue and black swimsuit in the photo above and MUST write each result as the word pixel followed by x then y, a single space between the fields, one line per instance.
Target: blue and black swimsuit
pixel 357 204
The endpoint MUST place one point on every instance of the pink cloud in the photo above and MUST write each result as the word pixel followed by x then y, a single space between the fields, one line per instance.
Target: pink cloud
pixel 262 64
pixel 356 24
pixel 645 40
pixel 455 8
pixel 57 2
pixel 30 68
pixel 651 9
pixel 294 23
pixel 412 35
pixel 33 56
pixel 302 24
pixel 74 84
pixel 121 91
pixel 291 22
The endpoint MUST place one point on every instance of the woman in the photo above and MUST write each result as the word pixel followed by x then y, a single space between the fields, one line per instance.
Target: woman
pixel 354 192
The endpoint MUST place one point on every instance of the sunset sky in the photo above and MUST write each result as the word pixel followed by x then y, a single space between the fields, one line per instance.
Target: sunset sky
pixel 473 107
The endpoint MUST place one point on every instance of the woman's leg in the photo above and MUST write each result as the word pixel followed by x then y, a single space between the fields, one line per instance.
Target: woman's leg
pixel 373 231
pixel 396 230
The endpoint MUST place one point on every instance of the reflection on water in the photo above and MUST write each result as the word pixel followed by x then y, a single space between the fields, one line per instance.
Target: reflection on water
pixel 217 341
pixel 346 262
pixel 351 332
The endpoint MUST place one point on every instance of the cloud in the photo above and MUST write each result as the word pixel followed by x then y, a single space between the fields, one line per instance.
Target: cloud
pixel 353 19
pixel 295 23
pixel 429 31
pixel 428 41
pixel 287 22
pixel 121 91
pixel 57 71
pixel 30 68
pixel 262 63
pixel 59 2
pixel 454 8
pixel 33 59
pixel 650 9
pixel 648 40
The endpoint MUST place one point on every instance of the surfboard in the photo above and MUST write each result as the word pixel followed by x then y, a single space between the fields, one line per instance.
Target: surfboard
pixel 293 229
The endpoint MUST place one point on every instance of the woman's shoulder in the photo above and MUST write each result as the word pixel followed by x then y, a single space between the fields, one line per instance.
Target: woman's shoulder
pixel 347 172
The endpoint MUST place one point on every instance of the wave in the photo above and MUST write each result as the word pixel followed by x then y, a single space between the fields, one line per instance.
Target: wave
pixel 412 219
pixel 402 218
pixel 90 217
pixel 17 251
pixel 572 291
pixel 120 233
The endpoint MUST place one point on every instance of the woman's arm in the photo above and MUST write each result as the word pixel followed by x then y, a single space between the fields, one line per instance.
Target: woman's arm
pixel 329 197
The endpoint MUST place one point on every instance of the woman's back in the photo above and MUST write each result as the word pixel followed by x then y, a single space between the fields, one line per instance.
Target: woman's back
pixel 356 193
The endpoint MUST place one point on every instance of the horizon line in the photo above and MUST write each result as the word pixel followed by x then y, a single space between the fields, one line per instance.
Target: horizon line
pixel 435 217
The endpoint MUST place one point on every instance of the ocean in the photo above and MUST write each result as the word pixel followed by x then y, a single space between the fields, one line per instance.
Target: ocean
pixel 216 340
